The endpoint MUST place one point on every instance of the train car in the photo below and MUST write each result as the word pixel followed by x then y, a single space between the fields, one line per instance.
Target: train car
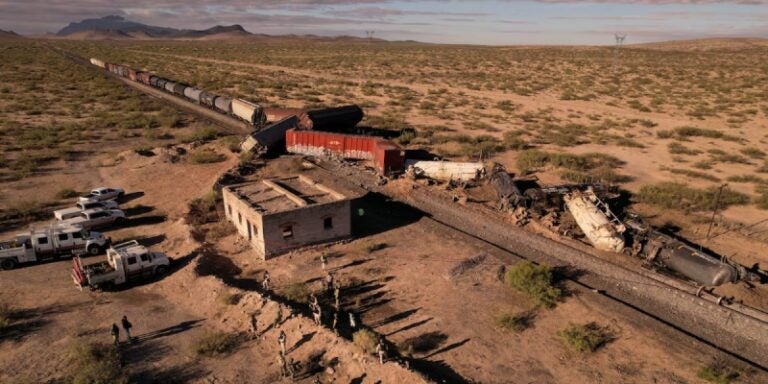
pixel 143 77
pixel 98 63
pixel 316 143
pixel 251 113
pixel 208 99
pixel 153 80
pixel 169 86
pixel 336 119
pixel 270 138
pixel 272 115
pixel 179 88
pixel 223 104
pixel 193 94
pixel 161 82
pixel 132 74
pixel 388 157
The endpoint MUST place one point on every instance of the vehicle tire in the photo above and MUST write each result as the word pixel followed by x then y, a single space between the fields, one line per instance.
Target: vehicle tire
pixel 161 270
pixel 94 250
pixel 8 264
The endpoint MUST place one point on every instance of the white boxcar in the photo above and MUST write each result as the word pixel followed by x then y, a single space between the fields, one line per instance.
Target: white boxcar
pixel 250 112
pixel 98 63
pixel 193 94
pixel 447 170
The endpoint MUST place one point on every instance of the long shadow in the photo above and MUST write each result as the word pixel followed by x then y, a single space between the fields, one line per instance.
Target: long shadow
pixel 304 339
pixel 130 197
pixel 381 214
pixel 410 326
pixel 447 348
pixel 139 221
pixel 351 264
pixel 438 371
pixel 149 241
pixel 180 374
pixel 138 210
pixel 359 379
pixel 425 342
pixel 396 317
pixel 370 306
pixel 172 330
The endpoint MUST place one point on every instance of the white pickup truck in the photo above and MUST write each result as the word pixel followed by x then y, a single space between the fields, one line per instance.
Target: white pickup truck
pixel 52 242
pixel 103 193
pixel 125 261
pixel 93 218
pixel 68 213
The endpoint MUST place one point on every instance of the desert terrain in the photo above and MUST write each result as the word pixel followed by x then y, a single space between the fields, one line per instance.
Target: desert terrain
pixel 667 134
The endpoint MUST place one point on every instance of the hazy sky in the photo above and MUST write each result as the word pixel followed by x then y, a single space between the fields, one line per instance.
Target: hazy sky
pixel 456 21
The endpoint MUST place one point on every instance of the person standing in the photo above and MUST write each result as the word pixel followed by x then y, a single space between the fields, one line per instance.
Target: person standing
pixel 254 325
pixel 265 282
pixel 115 334
pixel 336 294
pixel 127 327
pixel 380 351
pixel 352 323
pixel 335 321
pixel 281 340
pixel 323 261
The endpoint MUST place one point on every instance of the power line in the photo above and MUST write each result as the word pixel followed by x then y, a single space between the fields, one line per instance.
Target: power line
pixel 617 52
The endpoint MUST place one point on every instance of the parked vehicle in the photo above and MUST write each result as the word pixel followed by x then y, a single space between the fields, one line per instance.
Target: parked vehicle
pixel 93 218
pixel 103 193
pixel 52 242
pixel 68 213
pixel 125 261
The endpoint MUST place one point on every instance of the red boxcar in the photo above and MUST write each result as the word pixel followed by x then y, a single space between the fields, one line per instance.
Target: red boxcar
pixel 131 74
pixel 143 77
pixel 316 143
pixel 388 157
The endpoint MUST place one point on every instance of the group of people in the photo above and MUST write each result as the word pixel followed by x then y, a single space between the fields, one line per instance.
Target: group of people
pixel 126 327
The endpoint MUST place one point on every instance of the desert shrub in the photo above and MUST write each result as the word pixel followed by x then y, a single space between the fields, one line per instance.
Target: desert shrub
pixel 203 210
pixel 694 174
pixel 169 118
pixel 232 143
pixel 206 156
pixel 514 322
pixel 679 149
pixel 373 247
pixel 366 339
pixel 66 193
pixel 753 152
pixel 664 134
pixel 228 298
pixel 535 281
pixel 215 344
pixel 583 338
pixel 717 372
pixel 5 316
pixel 704 164
pixel 296 292
pixel 747 179
pixel 144 151
pixel 206 133
pixel 689 131
pixel 762 200
pixel 680 196
pixel 96 363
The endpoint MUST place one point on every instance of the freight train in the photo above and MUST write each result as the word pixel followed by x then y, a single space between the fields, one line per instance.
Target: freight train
pixel 338 118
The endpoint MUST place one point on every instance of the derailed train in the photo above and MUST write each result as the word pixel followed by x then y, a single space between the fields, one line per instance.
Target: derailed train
pixel 339 118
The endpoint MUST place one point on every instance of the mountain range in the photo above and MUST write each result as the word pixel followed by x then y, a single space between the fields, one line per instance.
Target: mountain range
pixel 117 27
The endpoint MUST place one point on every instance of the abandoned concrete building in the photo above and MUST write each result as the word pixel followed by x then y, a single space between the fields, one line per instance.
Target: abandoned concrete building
pixel 276 215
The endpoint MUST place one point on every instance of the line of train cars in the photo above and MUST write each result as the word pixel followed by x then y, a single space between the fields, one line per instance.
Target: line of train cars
pixel 297 128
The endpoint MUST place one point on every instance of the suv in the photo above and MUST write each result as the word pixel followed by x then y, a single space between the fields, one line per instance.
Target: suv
pixel 68 213
pixel 96 218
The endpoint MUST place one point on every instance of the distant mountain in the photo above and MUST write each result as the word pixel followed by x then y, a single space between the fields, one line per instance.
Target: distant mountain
pixel 713 44
pixel 9 34
pixel 115 23
pixel 116 27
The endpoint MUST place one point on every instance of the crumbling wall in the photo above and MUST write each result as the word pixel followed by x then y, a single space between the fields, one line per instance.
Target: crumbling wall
pixel 249 224
pixel 307 226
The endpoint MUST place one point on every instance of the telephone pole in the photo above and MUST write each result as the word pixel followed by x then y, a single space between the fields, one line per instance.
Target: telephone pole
pixel 617 51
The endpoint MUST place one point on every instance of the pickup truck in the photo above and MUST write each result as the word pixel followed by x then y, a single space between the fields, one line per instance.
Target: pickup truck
pixel 37 245
pixel 103 193
pixel 93 218
pixel 125 261
pixel 68 213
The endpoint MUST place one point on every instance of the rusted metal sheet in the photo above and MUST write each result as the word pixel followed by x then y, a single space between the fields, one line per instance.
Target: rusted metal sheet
pixel 223 104
pixel 335 119
pixel 143 77
pixel 448 170
pixel 193 94
pixel 602 229
pixel 208 99
pixel 272 115
pixel 388 157
pixel 269 138
pixel 315 143
pixel 252 113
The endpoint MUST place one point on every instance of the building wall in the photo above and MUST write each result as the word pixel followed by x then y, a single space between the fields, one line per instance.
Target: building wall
pixel 243 216
pixel 307 226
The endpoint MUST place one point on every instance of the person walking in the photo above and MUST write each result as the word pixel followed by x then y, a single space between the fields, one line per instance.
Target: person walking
pixel 318 315
pixel 115 334
pixel 335 321
pixel 336 294
pixel 323 261
pixel 127 327
pixel 352 323
pixel 281 340
pixel 380 351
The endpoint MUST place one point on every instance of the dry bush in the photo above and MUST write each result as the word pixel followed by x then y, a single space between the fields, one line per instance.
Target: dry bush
pixel 206 156
pixel 366 339
pixel 717 372
pixel 680 196
pixel 514 322
pixel 96 363
pixel 66 193
pixel 583 338
pixel 296 292
pixel 535 281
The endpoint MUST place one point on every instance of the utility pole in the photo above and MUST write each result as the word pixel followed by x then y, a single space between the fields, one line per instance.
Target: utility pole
pixel 714 210
pixel 617 51
pixel 369 35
